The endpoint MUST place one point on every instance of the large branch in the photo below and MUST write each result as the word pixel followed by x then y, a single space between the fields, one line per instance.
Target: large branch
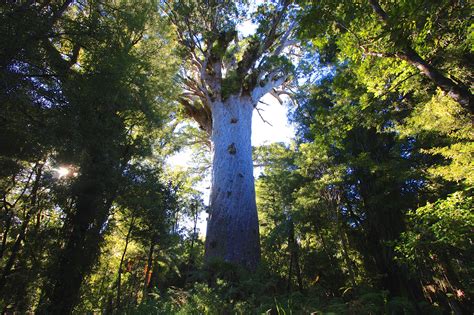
pixel 202 115
pixel 204 50
pixel 460 94
pixel 257 48
pixel 214 61
pixel 271 83
pixel 203 85
pixel 285 40
pixel 59 12
pixel 383 17
pixel 58 63
pixel 457 92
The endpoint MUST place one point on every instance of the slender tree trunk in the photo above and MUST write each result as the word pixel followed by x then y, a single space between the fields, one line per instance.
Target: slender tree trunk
pixel 345 251
pixel 21 235
pixel 9 208
pixel 148 268
pixel 8 222
pixel 290 272
pixel 319 234
pixel 193 239
pixel 452 284
pixel 294 257
pixel 232 230
pixel 119 273
pixel 299 279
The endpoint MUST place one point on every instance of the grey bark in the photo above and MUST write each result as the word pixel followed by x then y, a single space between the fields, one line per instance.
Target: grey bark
pixel 232 229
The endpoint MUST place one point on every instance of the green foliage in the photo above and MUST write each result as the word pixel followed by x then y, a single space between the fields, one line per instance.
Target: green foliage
pixel 438 229
pixel 445 131
pixel 230 84
pixel 376 133
pixel 202 299
pixel 368 211
pixel 91 108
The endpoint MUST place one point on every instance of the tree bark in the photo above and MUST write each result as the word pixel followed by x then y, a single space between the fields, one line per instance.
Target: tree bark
pixel 193 239
pixel 9 208
pixel 294 257
pixel 220 94
pixel 458 93
pixel 191 258
pixel 8 222
pixel 345 254
pixel 83 235
pixel 232 229
pixel 345 251
pixel 148 269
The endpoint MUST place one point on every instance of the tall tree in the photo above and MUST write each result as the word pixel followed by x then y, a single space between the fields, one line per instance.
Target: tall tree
pixel 222 84
pixel 112 96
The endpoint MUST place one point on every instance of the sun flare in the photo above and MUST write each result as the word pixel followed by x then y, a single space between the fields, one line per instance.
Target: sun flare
pixel 62 171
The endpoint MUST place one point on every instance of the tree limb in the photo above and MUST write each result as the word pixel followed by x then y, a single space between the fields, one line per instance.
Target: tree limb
pixel 457 92
pixel 202 116
pixel 259 114
pixel 257 48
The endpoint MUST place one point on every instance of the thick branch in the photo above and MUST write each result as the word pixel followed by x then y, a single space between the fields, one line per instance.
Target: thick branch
pixel 457 92
pixel 271 83
pixel 61 65
pixel 285 41
pixel 256 48
pixel 383 17
pixel 74 55
pixel 202 115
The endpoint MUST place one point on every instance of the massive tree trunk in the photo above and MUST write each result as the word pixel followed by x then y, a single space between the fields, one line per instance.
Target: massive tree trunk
pixel 232 230
pixel 222 84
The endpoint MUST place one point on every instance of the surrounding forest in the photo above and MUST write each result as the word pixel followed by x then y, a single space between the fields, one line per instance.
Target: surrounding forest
pixel 369 209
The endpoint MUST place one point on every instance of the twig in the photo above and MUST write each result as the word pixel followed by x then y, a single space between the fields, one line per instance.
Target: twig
pixel 263 119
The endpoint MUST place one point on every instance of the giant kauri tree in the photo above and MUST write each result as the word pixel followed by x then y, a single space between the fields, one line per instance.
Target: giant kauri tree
pixel 223 80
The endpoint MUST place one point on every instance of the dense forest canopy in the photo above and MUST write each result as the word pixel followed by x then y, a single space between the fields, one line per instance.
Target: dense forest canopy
pixel 369 209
